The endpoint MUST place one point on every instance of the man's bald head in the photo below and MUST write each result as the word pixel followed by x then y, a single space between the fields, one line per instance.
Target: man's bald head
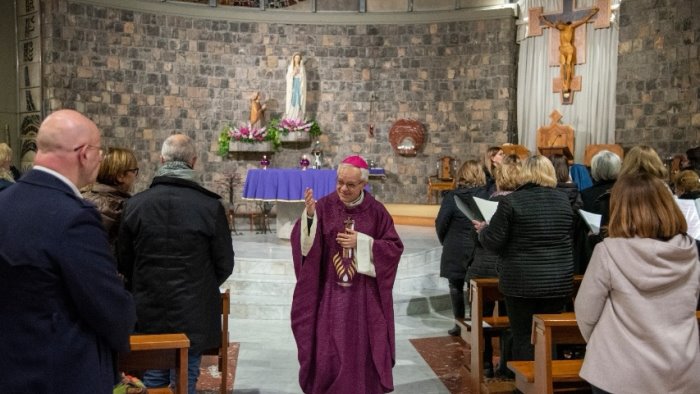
pixel 65 129
pixel 69 143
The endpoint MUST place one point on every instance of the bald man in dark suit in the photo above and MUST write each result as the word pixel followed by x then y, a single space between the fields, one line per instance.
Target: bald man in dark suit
pixel 64 311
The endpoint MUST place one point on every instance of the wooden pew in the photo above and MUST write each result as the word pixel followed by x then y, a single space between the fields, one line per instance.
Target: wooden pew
pixel 222 351
pixel 541 375
pixel 481 291
pixel 158 351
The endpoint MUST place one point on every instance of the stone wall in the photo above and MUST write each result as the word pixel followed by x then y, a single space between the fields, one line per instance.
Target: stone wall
pixel 142 76
pixel 658 76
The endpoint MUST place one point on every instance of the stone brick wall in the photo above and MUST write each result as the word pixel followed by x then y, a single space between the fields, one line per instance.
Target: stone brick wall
pixel 142 76
pixel 658 77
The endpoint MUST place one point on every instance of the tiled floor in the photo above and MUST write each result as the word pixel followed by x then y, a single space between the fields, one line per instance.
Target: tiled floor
pixel 266 358
pixel 267 362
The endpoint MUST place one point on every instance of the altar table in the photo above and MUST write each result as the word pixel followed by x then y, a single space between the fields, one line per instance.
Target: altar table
pixel 286 186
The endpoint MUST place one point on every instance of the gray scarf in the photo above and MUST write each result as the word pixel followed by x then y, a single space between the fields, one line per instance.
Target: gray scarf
pixel 178 169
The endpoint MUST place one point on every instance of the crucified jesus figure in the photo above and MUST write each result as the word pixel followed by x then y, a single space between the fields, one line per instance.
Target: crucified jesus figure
pixel 567 50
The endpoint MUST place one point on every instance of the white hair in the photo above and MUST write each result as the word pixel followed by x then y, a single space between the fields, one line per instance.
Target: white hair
pixel 605 166
pixel 364 173
pixel 178 147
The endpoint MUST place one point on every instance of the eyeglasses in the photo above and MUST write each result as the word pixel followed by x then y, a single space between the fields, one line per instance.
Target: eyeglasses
pixel 88 146
pixel 134 170
pixel 350 186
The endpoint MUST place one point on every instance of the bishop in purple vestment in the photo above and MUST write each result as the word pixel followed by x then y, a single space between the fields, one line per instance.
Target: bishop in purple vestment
pixel 346 252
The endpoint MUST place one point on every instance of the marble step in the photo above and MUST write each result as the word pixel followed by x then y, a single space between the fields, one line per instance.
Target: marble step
pixel 407 265
pixel 283 285
pixel 276 307
pixel 261 284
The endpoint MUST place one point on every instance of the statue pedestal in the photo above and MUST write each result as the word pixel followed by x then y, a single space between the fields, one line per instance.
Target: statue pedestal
pixel 238 146
pixel 295 136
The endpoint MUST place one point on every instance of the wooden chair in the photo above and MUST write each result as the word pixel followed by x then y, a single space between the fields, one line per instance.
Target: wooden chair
pixel 513 149
pixel 444 180
pixel 158 351
pixel 592 149
pixel 222 351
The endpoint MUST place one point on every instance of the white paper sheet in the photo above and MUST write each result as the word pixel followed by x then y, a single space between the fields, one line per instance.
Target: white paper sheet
pixel 690 211
pixel 487 208
pixel 592 220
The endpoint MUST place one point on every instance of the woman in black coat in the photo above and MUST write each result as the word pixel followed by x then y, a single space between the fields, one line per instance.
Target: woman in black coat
pixel 531 231
pixel 455 232
pixel 486 262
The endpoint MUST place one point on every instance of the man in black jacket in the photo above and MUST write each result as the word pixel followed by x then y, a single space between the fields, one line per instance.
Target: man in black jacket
pixel 175 251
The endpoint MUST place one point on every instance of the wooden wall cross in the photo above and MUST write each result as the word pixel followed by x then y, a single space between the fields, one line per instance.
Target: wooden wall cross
pixel 566 47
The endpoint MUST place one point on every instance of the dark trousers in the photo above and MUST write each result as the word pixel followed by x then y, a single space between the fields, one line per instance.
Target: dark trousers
pixel 520 311
pixel 596 390
pixel 457 298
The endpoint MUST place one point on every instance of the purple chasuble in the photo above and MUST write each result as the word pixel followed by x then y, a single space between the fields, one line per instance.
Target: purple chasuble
pixel 343 321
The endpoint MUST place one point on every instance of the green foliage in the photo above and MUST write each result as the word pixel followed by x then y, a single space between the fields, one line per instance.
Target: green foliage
pixel 224 140
pixel 273 134
pixel 315 129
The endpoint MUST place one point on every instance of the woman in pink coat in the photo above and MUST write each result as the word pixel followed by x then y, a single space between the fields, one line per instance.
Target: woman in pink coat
pixel 636 305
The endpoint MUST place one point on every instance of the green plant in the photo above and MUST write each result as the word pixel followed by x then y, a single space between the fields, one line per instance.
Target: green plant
pixel 224 140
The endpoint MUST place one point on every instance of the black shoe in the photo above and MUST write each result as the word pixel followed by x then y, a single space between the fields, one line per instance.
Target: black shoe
pixel 455 331
pixel 505 374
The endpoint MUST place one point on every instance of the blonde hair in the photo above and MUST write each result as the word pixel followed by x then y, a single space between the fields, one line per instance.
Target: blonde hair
pixel 116 162
pixel 540 171
pixel 471 174
pixel 686 181
pixel 641 205
pixel 643 158
pixel 508 176
pixel 5 158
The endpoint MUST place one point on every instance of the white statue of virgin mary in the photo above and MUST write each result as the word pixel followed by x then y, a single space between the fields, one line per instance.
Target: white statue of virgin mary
pixel 295 102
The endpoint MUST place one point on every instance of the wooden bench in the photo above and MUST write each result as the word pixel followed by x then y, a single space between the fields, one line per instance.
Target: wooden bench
pixel 482 291
pixel 545 374
pixel 222 352
pixel 158 351
pixel 541 375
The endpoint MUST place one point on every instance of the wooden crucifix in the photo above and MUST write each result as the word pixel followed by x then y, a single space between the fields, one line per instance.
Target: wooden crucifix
pixel 571 47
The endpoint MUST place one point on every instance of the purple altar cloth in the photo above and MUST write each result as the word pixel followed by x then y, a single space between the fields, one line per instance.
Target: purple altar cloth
pixel 286 184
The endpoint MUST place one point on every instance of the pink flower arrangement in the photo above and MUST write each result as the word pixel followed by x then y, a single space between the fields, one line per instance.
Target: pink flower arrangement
pixel 248 133
pixel 290 125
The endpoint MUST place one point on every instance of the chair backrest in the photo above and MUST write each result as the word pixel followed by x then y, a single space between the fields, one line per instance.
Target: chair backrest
pixel 591 150
pixel 446 168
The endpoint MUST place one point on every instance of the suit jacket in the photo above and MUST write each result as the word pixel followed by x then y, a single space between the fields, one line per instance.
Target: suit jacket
pixel 64 310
